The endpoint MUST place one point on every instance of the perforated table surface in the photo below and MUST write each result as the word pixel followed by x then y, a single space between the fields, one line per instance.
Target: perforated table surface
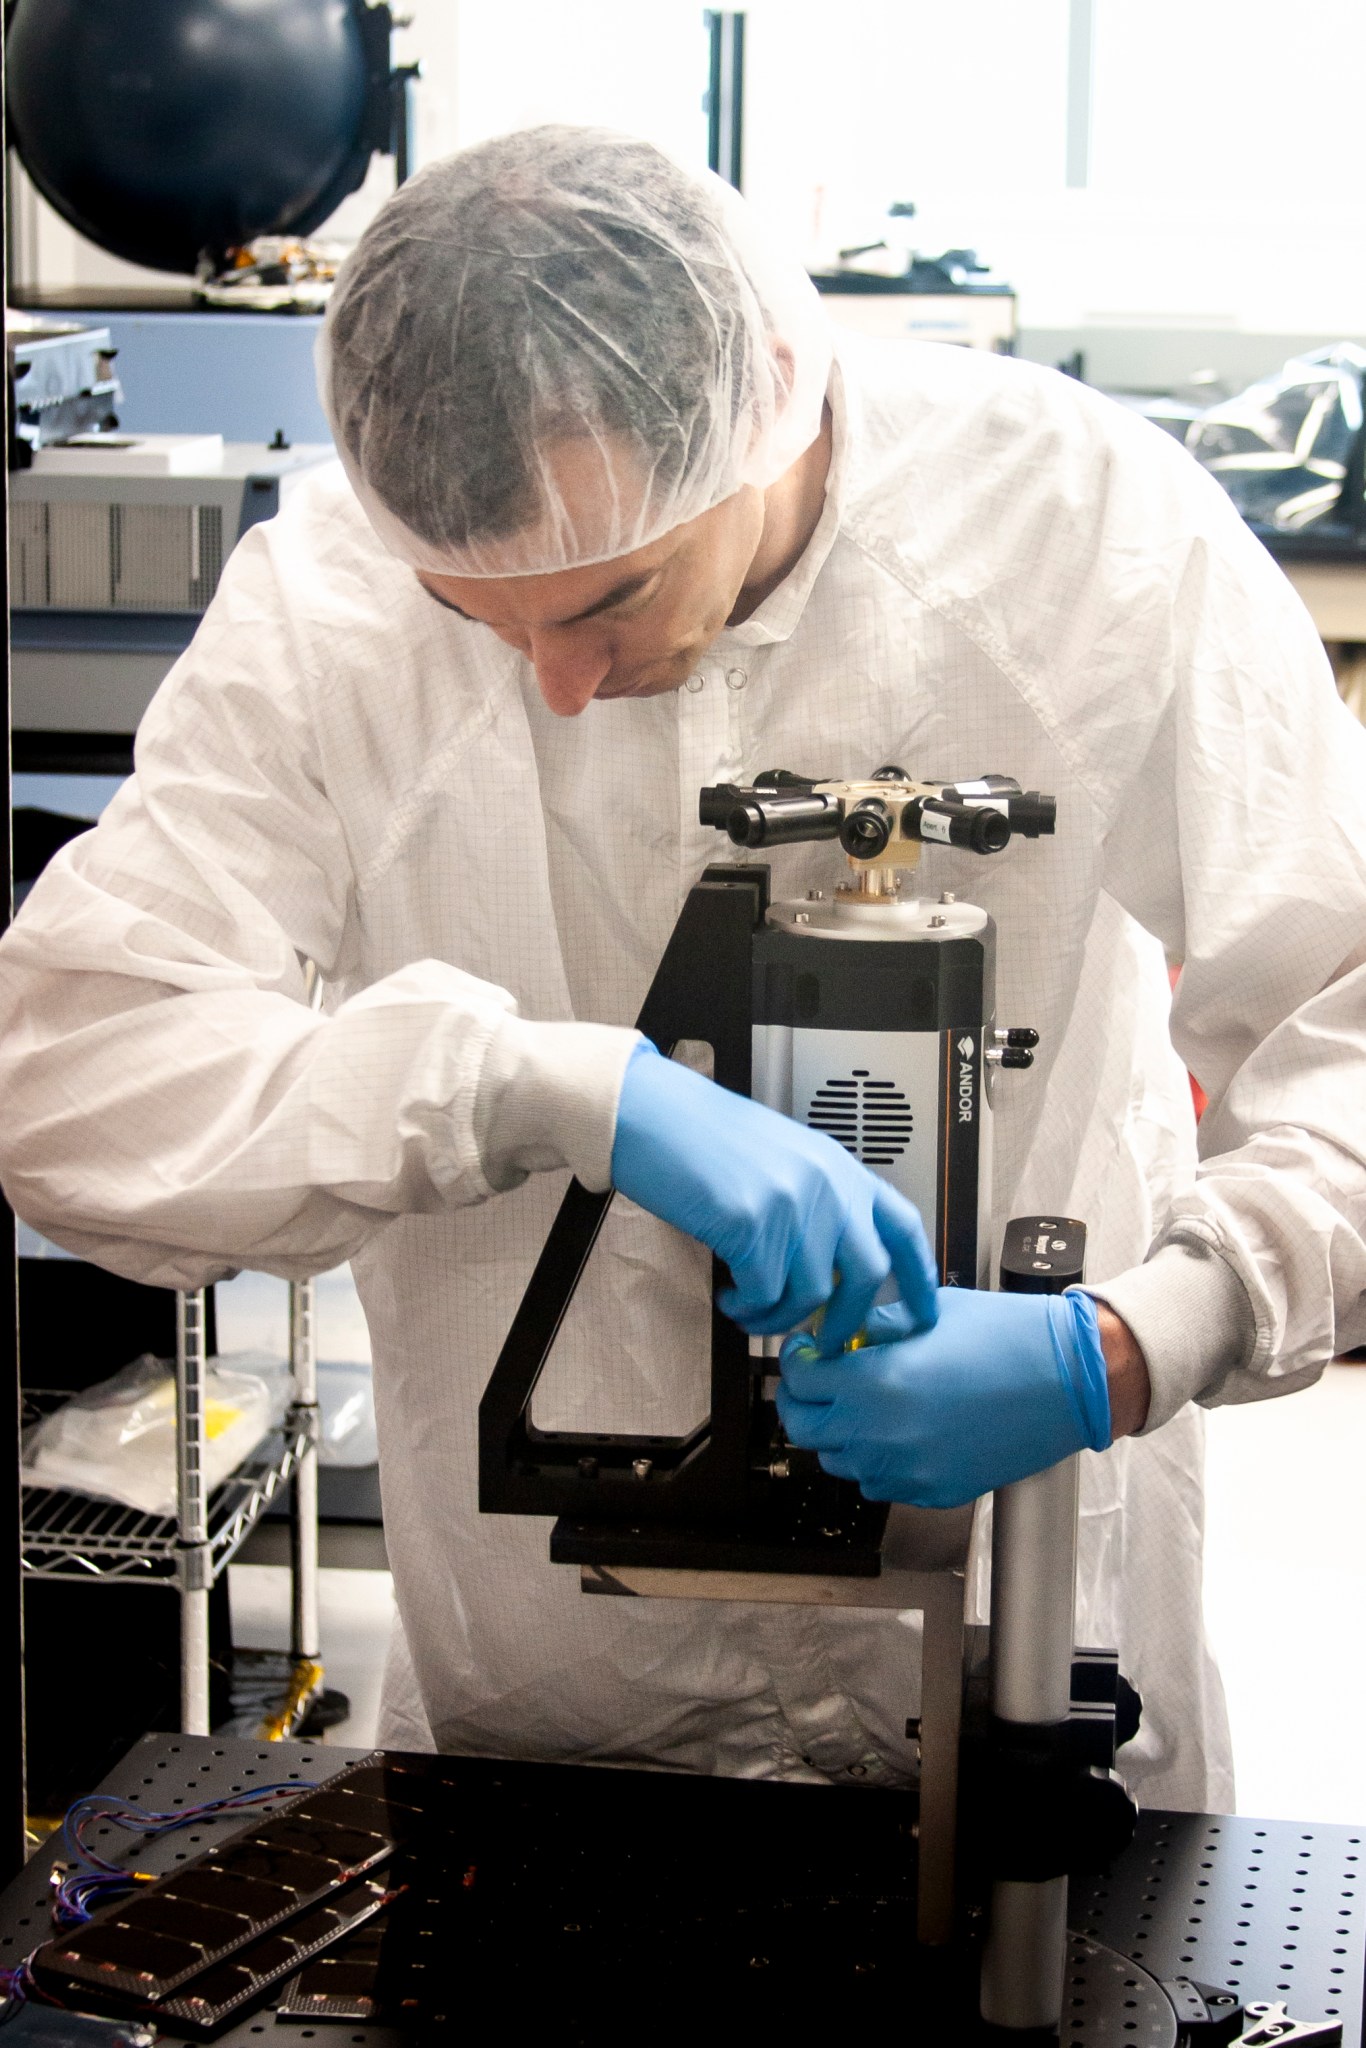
pixel 1272 1909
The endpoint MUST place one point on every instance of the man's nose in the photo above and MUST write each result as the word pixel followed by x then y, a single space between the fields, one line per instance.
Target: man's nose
pixel 568 669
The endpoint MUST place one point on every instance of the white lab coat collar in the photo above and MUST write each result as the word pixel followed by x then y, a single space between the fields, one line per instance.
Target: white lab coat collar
pixel 777 617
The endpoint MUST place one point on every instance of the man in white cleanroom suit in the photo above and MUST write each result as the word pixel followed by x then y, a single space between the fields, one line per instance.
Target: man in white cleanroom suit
pixel 614 522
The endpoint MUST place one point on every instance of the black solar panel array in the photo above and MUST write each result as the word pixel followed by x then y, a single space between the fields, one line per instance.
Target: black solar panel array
pixel 261 1902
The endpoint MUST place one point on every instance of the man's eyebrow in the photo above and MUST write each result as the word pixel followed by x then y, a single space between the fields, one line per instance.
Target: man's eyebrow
pixel 444 602
pixel 617 595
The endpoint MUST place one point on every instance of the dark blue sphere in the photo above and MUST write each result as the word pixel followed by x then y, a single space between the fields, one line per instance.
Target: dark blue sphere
pixel 167 130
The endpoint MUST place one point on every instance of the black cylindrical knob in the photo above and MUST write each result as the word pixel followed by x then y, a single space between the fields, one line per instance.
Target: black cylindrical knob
pixel 1042 1254
pixel 715 804
pixel 867 829
pixel 1034 814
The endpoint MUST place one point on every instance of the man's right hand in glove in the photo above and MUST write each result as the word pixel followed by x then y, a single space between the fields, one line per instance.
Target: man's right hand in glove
pixel 801 1225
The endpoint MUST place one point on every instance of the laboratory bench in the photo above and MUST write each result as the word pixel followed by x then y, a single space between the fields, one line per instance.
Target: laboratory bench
pixel 599 1904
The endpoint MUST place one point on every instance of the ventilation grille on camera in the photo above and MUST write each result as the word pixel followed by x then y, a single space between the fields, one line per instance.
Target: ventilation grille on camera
pixel 871 1119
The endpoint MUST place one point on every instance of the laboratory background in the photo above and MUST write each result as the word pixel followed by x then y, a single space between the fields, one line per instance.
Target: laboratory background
pixel 1161 202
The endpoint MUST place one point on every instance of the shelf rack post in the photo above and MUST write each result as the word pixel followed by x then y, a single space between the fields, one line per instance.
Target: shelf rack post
pixel 193 1554
pixel 305 1643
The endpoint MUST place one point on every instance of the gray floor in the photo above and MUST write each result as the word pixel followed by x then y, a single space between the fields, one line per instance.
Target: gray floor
pixel 355 1610
pixel 1285 1596
pixel 1285 1590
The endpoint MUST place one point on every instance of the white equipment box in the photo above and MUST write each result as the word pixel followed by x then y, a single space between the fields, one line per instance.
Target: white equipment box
pixel 117 543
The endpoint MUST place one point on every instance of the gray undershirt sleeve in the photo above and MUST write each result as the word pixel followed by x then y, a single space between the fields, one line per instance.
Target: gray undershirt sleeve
pixel 1193 1321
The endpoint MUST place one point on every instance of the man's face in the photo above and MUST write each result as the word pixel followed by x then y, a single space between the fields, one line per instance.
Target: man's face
pixel 635 626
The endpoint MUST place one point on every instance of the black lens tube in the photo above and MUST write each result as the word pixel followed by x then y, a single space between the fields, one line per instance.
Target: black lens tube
pixel 942 822
pixel 783 820
pixel 867 829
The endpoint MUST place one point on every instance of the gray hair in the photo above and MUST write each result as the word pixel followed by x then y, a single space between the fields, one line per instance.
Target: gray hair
pixel 556 284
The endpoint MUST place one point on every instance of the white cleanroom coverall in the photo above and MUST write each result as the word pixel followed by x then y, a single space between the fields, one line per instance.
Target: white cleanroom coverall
pixel 1011 574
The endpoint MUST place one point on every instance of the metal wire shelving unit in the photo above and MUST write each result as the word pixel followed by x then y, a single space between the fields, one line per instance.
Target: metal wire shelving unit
pixel 76 1536
pixel 68 1535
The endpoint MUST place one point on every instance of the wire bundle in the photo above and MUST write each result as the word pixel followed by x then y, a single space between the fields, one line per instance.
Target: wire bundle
pixel 87 1880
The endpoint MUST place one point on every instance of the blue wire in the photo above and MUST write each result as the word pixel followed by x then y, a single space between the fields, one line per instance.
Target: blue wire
pixel 145 1821
pixel 95 1882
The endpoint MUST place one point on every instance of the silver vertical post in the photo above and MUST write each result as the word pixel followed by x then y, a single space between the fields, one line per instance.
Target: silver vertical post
pixel 192 1513
pixel 1081 86
pixel 725 96
pixel 303 1520
pixel 1033 1600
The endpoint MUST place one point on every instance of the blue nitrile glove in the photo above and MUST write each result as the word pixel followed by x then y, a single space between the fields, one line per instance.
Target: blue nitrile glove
pixel 1002 1386
pixel 796 1218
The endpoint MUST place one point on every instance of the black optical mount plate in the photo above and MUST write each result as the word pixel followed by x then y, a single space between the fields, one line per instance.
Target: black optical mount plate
pixel 802 1531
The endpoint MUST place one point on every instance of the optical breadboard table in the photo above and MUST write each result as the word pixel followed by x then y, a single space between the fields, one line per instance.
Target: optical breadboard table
pixel 560 1896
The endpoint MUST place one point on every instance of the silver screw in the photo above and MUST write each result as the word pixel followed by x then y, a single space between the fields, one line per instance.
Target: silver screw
pixel 948 897
pixel 781 1468
pixel 802 917
pixel 815 895
pixel 937 923
pixel 1039 1265
pixel 643 1467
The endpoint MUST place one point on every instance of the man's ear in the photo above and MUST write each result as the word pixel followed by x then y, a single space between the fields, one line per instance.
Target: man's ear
pixel 784 376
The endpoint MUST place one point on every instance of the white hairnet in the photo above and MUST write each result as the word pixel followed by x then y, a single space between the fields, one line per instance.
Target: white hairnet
pixel 554 347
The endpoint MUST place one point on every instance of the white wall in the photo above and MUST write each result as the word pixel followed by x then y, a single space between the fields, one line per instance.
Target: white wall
pixel 1224 161
pixel 1223 184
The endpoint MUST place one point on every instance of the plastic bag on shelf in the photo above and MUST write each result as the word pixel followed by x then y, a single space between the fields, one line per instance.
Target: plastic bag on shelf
pixel 1282 448
pixel 346 1407
pixel 346 1396
pixel 117 1440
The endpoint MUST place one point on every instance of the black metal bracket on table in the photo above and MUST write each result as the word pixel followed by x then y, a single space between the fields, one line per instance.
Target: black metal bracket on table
pixel 713 1502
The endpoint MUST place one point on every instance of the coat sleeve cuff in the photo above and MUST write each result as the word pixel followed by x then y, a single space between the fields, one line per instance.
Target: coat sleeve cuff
pixel 548 1098
pixel 1193 1320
